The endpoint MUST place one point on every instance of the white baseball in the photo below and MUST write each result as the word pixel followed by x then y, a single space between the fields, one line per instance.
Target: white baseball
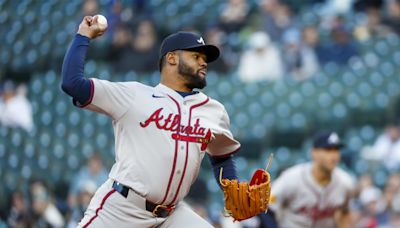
pixel 101 21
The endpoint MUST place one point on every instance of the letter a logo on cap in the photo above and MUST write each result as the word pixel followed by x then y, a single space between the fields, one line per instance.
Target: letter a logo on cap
pixel 333 138
pixel 201 41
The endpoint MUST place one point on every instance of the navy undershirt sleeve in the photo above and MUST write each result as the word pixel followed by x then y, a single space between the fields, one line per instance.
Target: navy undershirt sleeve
pixel 228 165
pixel 73 81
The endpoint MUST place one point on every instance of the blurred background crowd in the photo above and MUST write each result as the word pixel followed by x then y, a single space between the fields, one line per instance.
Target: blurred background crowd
pixel 288 69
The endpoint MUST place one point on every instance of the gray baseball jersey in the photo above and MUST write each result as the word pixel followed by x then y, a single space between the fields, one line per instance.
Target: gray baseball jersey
pixel 161 137
pixel 300 201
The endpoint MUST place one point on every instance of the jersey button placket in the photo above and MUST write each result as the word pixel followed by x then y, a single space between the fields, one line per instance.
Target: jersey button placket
pixel 184 108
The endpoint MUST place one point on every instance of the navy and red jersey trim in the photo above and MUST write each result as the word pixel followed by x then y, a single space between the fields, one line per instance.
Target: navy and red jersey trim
pixel 89 101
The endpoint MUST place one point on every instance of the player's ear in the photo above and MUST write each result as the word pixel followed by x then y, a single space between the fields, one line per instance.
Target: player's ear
pixel 171 58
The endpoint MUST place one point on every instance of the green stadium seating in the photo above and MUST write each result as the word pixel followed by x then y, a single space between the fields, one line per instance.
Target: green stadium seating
pixel 266 116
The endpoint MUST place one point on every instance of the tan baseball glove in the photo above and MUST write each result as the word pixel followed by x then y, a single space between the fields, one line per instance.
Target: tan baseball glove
pixel 244 200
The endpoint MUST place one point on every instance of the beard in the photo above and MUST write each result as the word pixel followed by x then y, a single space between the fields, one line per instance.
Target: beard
pixel 191 76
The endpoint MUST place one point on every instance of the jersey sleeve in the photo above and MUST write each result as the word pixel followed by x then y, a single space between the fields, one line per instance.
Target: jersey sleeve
pixel 223 143
pixel 114 98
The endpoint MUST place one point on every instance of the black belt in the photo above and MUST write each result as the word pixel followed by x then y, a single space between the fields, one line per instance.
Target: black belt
pixel 158 210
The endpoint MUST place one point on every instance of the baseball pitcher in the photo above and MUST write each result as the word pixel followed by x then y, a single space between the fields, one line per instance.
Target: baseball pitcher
pixel 161 134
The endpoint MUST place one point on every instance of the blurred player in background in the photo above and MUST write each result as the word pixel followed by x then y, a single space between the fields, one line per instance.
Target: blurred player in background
pixel 314 194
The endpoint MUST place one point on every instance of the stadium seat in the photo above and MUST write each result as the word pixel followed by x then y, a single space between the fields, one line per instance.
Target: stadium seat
pixel 11 180
pixel 382 48
pixel 58 152
pixel 380 177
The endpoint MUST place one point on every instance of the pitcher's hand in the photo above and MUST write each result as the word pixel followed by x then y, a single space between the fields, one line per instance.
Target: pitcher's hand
pixel 89 27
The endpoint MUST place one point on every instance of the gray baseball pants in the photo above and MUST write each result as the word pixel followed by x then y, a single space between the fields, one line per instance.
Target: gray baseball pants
pixel 108 208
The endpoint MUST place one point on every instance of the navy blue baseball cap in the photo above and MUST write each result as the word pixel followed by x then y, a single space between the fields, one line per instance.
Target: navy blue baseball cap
pixel 327 140
pixel 188 41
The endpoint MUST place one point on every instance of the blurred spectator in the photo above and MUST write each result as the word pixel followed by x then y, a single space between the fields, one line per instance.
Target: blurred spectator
pixel 120 44
pixel 372 207
pixel 261 61
pixel 393 15
pixel 113 16
pixel 140 7
pixel 363 5
pixel 276 18
pixel 93 171
pixel 85 194
pixel 126 12
pixel 228 57
pixel 16 110
pixel 145 48
pixel 386 148
pixel 90 8
pixel 341 46
pixel 395 216
pixel 136 51
pixel 311 37
pixel 300 59
pixel 335 7
pixel 20 214
pixel 135 11
pixel 234 15
pixel 311 41
pixel 392 185
pixel 391 191
pixel 45 212
pixel 363 182
pixel 371 27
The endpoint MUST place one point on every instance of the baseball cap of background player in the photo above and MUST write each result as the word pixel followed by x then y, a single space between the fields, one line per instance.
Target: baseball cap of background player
pixel 327 140
pixel 188 41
